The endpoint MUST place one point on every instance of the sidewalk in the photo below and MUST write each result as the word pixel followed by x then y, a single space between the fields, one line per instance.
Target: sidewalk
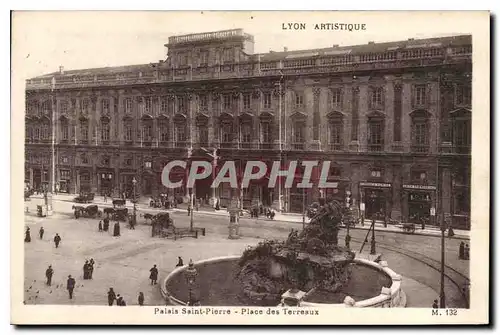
pixel 143 205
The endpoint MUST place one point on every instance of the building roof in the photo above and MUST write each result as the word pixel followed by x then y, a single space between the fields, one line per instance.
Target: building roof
pixel 437 42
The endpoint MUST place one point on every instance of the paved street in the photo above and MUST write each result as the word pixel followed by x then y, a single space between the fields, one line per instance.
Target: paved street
pixel 124 262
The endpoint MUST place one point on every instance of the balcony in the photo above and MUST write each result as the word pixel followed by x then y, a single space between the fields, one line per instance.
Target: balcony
pixel 128 143
pixel 147 143
pixel 228 145
pixel 335 147
pixel 375 147
pixel 203 144
pixel 246 145
pixel 267 146
pixel 165 144
pixel 298 146
pixel 181 144
pixel 420 148
pixel 461 149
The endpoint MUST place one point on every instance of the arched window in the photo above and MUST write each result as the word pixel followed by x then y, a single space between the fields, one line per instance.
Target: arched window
pixel 202 125
pixel 420 131
pixel 64 129
pixel 163 129
pixel 84 130
pixel 376 132
pixel 85 106
pixel 46 108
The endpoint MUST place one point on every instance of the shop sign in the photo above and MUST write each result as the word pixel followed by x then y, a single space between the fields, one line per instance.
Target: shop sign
pixel 420 187
pixel 374 184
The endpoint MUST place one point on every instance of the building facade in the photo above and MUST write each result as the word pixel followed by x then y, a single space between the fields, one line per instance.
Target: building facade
pixel 393 118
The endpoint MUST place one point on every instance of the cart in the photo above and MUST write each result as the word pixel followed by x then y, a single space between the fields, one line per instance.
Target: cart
pixel 408 228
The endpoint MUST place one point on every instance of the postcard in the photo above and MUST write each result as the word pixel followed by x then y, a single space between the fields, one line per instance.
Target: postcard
pixel 259 168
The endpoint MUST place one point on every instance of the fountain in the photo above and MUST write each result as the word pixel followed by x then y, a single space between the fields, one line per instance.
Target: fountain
pixel 307 269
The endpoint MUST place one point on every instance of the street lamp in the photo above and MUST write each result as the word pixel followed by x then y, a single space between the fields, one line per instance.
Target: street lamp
pixel 134 181
pixel 191 273
pixel 303 208
pixel 191 201
pixel 348 221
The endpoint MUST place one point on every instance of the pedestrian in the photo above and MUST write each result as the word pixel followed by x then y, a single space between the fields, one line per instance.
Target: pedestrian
pixel 40 233
pixel 57 240
pixel 100 226
pixel 106 224
pixel 27 235
pixel 451 233
pixel 180 262
pixel 70 285
pixel 111 296
pixel 189 209
pixel 86 270
pixel 91 268
pixel 461 250
pixel 48 273
pixel 140 299
pixel 116 230
pixel 435 304
pixel 154 275
pixel 119 300
pixel 466 252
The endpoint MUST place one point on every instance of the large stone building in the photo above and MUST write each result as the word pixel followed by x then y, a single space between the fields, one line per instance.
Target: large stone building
pixel 394 118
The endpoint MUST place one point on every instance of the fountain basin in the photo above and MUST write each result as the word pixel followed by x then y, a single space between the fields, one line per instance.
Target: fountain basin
pixel 371 285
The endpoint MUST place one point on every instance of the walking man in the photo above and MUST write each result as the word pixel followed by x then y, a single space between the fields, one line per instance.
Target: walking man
pixel 100 226
pixel 91 267
pixel 116 230
pixel 461 250
pixel 111 296
pixel 154 275
pixel 40 233
pixel 180 262
pixel 86 270
pixel 70 285
pixel 57 240
pixel 27 235
pixel 140 299
pixel 48 273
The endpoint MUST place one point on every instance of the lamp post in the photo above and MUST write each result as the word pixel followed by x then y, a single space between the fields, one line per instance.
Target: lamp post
pixel 191 273
pixel 191 201
pixel 303 208
pixel 134 182
pixel 348 222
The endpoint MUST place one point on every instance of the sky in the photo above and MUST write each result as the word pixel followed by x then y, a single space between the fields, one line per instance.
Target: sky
pixel 43 41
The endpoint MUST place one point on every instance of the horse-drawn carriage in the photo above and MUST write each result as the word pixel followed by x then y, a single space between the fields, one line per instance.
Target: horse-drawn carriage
pixel 91 211
pixel 84 198
pixel 117 214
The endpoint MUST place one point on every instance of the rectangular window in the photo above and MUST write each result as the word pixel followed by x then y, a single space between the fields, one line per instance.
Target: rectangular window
pixel 45 132
pixel 128 105
pixel 65 131
pixel 105 106
pixel 246 133
pixel 64 107
pixel 180 133
pixel 203 58
pixel 227 56
pixel 298 133
pixel 84 131
pixel 299 100
pixel 375 135
pixel 128 132
pixel 105 131
pixel 147 132
pixel 227 133
pixel 266 132
pixel 37 133
pixel 203 135
pixel 183 59
pixel 203 102
pixel 85 106
pixel 182 103
pixel 227 101
pixel 420 95
pixel 148 105
pixel 163 132
pixel 463 95
pixel 267 100
pixel 247 98
pixel 376 173
pixel 421 131
pixel 377 96
pixel 335 138
pixel 163 106
pixel 337 97
pixel 418 176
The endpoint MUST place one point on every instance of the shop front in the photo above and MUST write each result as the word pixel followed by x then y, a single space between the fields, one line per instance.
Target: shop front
pixel 84 180
pixel 105 182
pixel 418 202
pixel 64 183
pixel 376 198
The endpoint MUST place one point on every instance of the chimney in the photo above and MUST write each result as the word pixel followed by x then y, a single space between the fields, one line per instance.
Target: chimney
pixel 285 49
pixel 411 39
pixel 371 42
pixel 335 46
pixel 61 69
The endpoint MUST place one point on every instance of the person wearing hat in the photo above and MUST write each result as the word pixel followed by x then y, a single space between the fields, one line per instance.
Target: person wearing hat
pixel 435 304
pixel 111 296
pixel 70 285
pixel 48 273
